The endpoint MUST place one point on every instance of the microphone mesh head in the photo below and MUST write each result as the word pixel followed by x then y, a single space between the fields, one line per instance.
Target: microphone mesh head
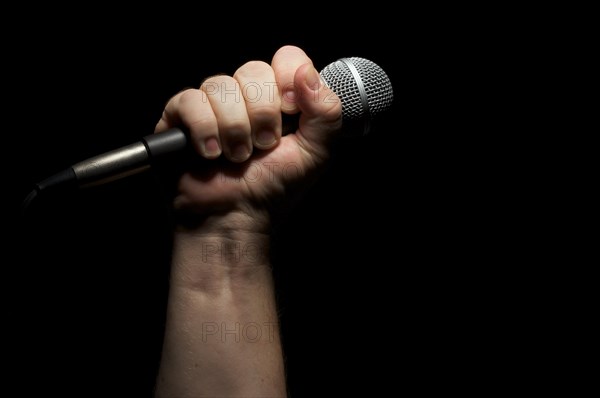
pixel 363 87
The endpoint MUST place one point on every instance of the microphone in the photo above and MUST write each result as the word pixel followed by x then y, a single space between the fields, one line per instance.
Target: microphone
pixel 362 86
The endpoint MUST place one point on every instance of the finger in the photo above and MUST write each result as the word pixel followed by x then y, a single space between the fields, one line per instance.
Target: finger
pixel 229 107
pixel 263 104
pixel 285 62
pixel 192 109
pixel 321 118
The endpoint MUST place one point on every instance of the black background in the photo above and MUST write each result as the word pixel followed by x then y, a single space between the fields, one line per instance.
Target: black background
pixel 372 270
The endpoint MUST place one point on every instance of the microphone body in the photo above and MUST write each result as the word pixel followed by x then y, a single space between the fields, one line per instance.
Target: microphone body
pixel 362 86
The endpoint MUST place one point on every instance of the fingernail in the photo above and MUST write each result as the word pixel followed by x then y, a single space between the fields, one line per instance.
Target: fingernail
pixel 240 152
pixel 313 79
pixel 265 138
pixel 289 95
pixel 211 147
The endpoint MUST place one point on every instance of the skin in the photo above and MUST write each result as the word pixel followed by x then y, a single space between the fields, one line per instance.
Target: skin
pixel 221 337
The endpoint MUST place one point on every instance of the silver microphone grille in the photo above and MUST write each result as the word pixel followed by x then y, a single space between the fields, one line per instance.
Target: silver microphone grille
pixel 363 87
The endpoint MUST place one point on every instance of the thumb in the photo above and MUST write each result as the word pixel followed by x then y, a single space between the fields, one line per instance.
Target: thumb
pixel 321 110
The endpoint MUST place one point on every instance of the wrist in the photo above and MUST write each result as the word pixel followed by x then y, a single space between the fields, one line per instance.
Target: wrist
pixel 220 252
pixel 221 223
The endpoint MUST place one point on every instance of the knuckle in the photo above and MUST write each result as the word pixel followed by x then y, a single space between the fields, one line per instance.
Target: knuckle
pixel 203 125
pixel 251 68
pixel 188 95
pixel 264 113
pixel 235 127
pixel 218 84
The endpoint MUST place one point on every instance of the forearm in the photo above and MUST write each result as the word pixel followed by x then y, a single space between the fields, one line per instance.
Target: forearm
pixel 222 336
